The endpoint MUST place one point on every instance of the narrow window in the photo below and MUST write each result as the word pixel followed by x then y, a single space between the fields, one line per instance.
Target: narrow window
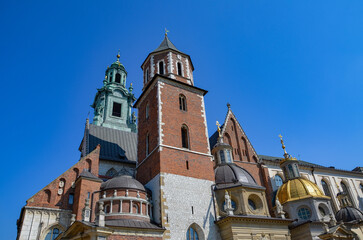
pixel 147 144
pixel 229 159
pixel 185 137
pixel 187 164
pixel 110 76
pixel 221 154
pixel 118 78
pixel 182 102
pixel 192 210
pixel 147 75
pixel 47 195
pixel 70 198
pixel 147 111
pixel 180 69
pixel 278 181
pixel 116 110
pixel 161 67
pixel 88 195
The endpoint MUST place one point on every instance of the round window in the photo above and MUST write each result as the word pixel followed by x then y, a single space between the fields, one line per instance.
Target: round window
pixel 322 211
pixel 252 204
pixel 304 213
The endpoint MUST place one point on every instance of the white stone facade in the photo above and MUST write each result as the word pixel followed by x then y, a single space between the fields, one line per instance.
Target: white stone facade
pixel 187 201
pixel 333 177
pixel 37 221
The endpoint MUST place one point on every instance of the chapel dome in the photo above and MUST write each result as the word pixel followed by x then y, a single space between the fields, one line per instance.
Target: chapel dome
pixel 122 182
pixel 299 188
pixel 348 214
pixel 231 175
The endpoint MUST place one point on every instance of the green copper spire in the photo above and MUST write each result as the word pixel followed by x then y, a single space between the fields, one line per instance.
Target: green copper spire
pixel 113 102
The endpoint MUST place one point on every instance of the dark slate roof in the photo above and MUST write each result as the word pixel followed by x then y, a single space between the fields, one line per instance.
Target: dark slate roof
pixel 165 44
pixel 130 223
pixel 348 214
pixel 88 174
pixel 124 182
pixel 231 175
pixel 116 145
pixel 214 138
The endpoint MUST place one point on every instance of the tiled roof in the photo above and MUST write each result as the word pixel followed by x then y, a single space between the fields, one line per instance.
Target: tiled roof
pixel 116 145
pixel 131 224
pixel 166 44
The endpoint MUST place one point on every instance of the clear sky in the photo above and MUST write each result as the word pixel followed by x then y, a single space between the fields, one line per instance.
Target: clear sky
pixel 289 67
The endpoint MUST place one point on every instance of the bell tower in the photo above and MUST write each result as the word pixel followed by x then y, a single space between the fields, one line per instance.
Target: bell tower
pixel 113 102
pixel 174 159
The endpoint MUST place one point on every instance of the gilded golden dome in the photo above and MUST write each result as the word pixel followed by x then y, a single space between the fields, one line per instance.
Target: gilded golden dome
pixel 299 188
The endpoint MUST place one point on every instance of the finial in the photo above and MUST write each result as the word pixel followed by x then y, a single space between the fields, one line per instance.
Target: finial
pixel 286 155
pixel 219 129
pixel 118 55
pixel 131 88
pixel 166 32
pixel 228 105
pixel 282 143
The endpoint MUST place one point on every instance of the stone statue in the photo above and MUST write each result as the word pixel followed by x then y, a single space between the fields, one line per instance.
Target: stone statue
pixel 133 117
pixel 279 209
pixel 228 204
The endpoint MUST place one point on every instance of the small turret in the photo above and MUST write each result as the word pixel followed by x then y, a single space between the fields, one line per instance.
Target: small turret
pixel 113 102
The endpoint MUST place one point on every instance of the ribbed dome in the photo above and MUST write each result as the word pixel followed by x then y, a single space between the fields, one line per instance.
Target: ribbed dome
pixel 299 188
pixel 231 175
pixel 349 214
pixel 124 182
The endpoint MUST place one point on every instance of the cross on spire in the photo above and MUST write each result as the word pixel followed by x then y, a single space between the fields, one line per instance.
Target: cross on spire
pixel 166 32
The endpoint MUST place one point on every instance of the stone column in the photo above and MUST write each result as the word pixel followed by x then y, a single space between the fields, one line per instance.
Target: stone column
pixel 130 206
pixel 121 206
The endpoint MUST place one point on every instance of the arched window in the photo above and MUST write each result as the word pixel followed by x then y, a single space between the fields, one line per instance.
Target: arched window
pixel 361 187
pixel 192 234
pixel 89 163
pixel 185 136
pixel 52 233
pixel 135 208
pixel 147 144
pixel 325 188
pixel 76 171
pixel 182 102
pixel 345 189
pixel 161 67
pixel 147 111
pixel 180 72
pixel 70 198
pixel 110 76
pixel 278 181
pixel 118 78
pixel 304 213
pixel 111 172
pixel 147 75
pixel 229 158
pixel 245 152
pixel 47 196
pixel 221 154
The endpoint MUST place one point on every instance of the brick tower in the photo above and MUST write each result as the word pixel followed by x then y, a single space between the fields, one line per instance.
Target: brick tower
pixel 174 159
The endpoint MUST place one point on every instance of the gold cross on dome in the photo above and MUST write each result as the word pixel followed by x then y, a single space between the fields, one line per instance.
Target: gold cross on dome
pixel 166 32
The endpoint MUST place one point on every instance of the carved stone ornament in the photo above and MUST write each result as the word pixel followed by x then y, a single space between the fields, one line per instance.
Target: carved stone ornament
pixel 60 191
pixel 61 183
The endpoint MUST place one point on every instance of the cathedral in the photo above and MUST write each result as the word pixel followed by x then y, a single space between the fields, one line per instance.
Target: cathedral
pixel 159 175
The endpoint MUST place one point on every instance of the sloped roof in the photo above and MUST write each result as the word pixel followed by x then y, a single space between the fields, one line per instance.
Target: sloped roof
pixel 88 174
pixel 131 223
pixel 165 44
pixel 116 145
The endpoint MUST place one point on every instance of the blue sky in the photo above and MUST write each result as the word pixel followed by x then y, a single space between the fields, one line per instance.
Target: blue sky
pixel 289 67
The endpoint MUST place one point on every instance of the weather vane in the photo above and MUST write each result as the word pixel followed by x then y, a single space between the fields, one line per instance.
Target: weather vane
pixel 166 32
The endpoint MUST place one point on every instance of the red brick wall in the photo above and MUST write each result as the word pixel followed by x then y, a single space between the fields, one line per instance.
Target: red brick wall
pixel 83 187
pixel 61 201
pixel 173 160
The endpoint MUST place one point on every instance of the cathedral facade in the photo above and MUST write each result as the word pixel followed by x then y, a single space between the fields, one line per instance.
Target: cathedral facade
pixel 164 177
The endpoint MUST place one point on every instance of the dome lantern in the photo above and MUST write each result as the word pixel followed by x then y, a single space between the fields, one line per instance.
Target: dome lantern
pixel 289 164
